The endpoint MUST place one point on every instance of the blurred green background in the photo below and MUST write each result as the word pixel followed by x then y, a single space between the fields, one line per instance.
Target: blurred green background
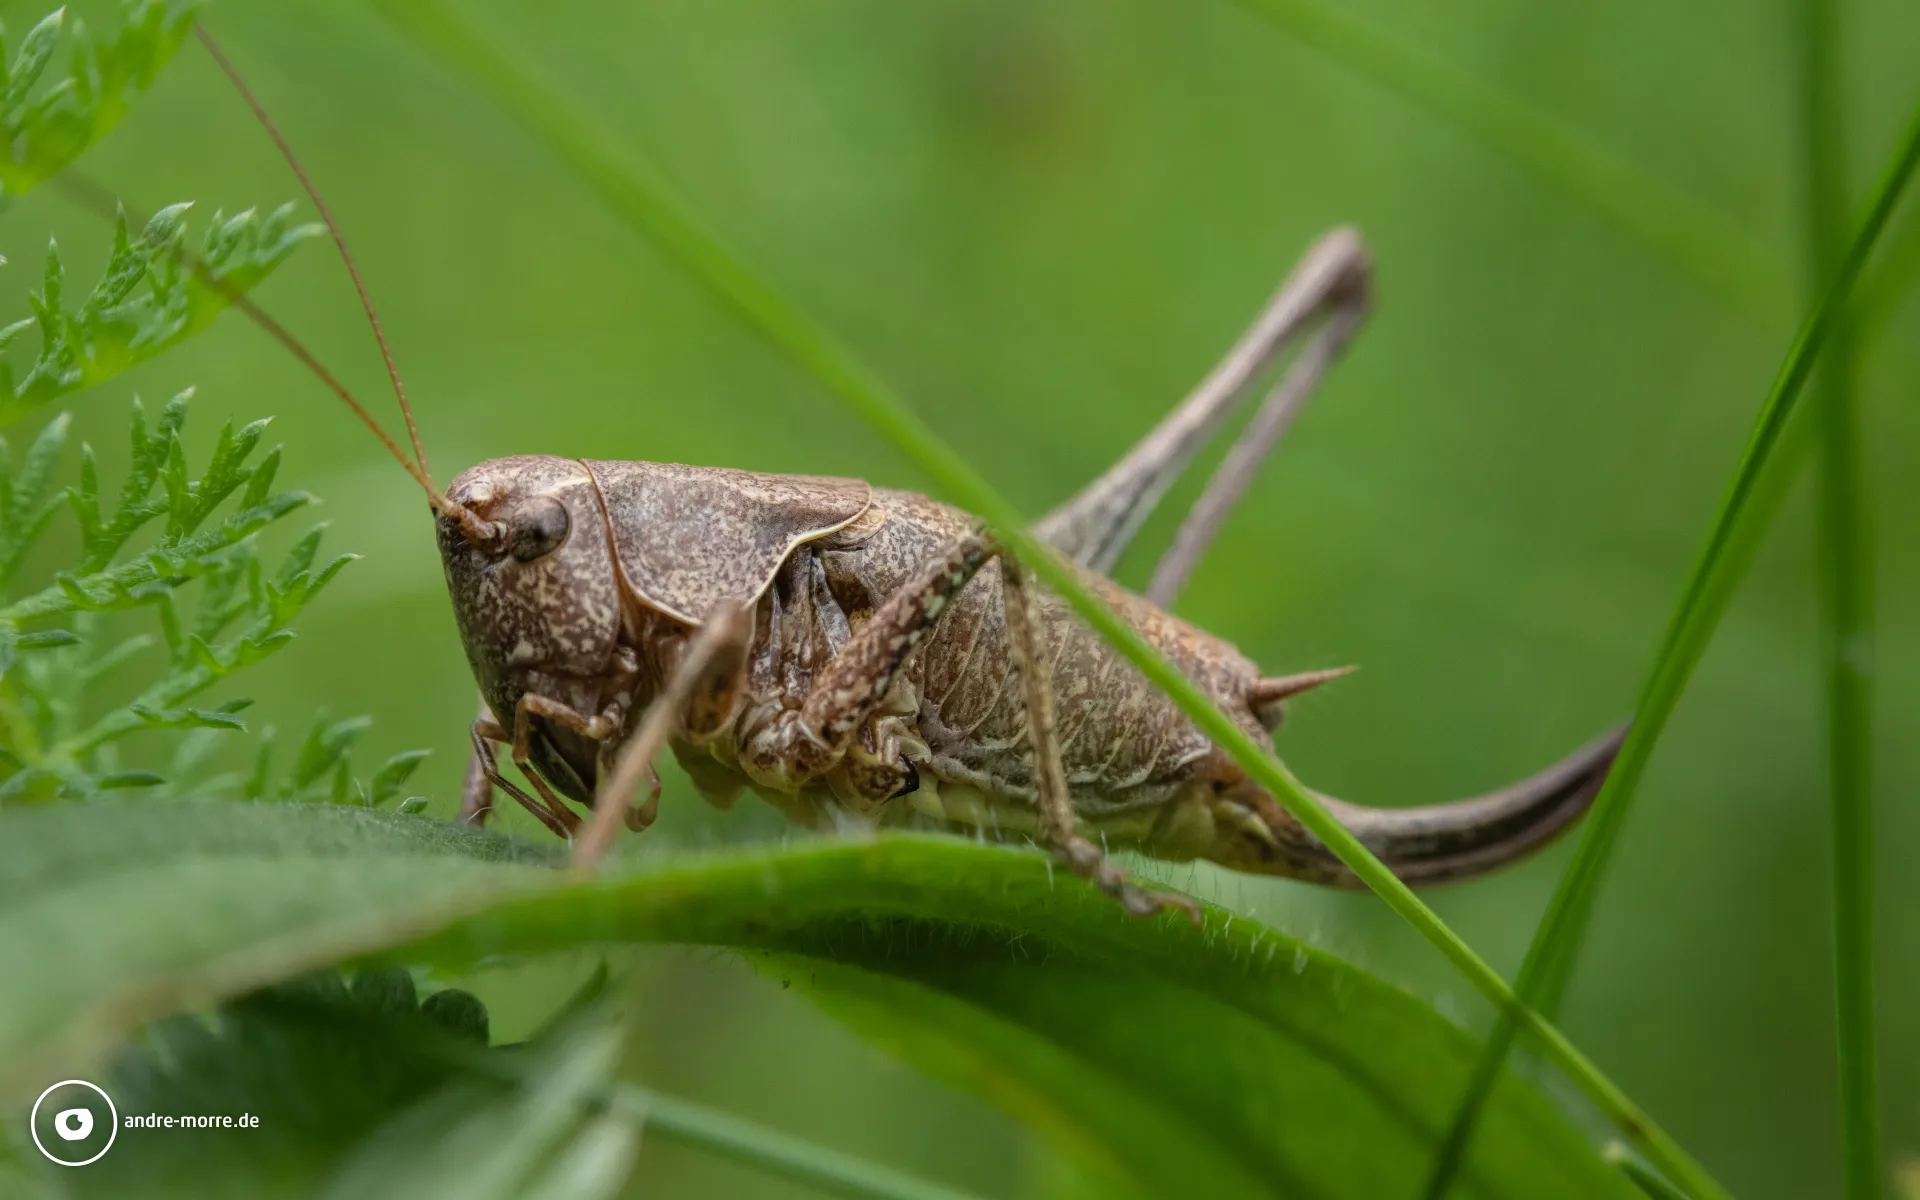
pixel 1041 221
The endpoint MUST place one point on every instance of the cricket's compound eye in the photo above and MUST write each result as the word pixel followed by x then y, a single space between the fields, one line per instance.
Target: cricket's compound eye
pixel 536 528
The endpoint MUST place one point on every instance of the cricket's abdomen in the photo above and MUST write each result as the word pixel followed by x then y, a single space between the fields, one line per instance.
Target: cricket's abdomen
pixel 1130 753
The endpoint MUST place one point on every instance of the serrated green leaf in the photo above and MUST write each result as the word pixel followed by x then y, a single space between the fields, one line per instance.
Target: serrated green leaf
pixel 325 576
pixel 117 586
pixel 321 1064
pixel 165 226
pixel 127 264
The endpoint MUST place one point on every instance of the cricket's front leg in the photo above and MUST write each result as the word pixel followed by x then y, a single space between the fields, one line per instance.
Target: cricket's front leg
pixel 598 727
pixel 477 802
pixel 1059 825
pixel 476 791
pixel 483 772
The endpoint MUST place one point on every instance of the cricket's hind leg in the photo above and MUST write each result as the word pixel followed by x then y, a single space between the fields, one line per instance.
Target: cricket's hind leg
pixel 1058 822
pixel 1432 844
pixel 701 692
pixel 1331 283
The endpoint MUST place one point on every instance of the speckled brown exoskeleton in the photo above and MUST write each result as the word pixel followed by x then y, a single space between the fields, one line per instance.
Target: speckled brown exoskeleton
pixel 862 656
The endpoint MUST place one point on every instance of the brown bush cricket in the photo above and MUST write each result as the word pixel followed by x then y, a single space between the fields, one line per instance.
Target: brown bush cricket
pixel 864 656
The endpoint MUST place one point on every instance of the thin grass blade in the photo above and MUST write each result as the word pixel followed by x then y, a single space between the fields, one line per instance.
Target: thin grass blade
pixel 1550 958
pixel 1846 584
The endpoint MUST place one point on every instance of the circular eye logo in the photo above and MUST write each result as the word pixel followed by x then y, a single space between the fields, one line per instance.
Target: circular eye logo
pixel 74 1122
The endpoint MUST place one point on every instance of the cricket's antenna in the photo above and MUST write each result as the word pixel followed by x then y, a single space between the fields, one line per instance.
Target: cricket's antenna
pixel 104 202
pixel 471 524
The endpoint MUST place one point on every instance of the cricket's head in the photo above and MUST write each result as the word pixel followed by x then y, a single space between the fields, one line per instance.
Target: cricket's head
pixel 537 591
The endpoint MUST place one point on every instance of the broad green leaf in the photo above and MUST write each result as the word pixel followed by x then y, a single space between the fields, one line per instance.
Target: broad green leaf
pixel 1227 1057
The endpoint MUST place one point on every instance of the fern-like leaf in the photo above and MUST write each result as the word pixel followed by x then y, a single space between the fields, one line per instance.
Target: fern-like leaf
pixel 323 769
pixel 53 740
pixel 49 126
pixel 27 499
pixel 152 295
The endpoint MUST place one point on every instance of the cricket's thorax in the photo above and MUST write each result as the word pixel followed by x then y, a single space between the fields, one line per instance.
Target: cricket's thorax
pixel 949 745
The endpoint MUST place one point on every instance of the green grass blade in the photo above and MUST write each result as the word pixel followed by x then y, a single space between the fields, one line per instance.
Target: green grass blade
pixel 776 1153
pixel 1550 958
pixel 1550 977
pixel 1686 233
pixel 1655 1187
pixel 635 197
pixel 1846 580
pixel 1890 282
